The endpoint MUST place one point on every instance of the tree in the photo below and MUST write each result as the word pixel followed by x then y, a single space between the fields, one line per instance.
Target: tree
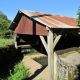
pixel 4 25
pixel 78 18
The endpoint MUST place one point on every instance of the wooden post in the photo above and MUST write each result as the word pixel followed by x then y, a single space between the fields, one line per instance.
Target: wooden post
pixel 55 66
pixel 50 55
pixel 15 41
pixel 17 48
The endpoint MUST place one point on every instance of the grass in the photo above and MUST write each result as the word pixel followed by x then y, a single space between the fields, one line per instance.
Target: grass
pixel 19 73
pixel 29 52
pixel 4 42
pixel 14 70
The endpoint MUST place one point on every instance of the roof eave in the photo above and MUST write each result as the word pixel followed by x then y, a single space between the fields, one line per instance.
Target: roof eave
pixel 16 20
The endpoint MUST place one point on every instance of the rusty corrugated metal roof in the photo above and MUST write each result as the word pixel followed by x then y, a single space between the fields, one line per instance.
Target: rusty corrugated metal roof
pixel 53 21
pixel 49 20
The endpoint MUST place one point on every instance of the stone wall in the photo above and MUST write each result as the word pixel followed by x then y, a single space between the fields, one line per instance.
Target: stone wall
pixel 67 64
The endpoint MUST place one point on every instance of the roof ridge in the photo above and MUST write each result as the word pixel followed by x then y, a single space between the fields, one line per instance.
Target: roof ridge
pixel 47 13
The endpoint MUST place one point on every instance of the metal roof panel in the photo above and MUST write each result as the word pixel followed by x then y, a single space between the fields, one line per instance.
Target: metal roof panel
pixel 49 20
pixel 53 21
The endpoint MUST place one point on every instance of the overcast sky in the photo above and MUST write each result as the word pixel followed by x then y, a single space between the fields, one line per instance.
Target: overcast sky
pixel 59 7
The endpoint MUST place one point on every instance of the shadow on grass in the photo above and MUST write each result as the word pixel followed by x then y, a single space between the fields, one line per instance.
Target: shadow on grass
pixel 7 66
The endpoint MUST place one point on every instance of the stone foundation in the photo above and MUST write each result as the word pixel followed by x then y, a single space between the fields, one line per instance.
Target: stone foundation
pixel 68 64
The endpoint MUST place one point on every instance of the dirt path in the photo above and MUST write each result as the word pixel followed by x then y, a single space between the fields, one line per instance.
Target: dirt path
pixel 38 72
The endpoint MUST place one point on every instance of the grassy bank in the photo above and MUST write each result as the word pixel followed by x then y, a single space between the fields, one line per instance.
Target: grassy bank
pixel 4 42
pixel 19 72
pixel 14 68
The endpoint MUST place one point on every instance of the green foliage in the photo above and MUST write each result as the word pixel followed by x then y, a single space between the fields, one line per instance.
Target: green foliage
pixel 78 18
pixel 4 42
pixel 4 25
pixel 29 52
pixel 19 73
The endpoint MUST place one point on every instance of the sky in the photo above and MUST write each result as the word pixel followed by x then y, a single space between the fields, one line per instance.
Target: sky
pixel 60 7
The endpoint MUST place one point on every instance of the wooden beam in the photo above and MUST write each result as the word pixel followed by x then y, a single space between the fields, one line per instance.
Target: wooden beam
pixel 50 55
pixel 44 43
pixel 56 40
pixel 27 46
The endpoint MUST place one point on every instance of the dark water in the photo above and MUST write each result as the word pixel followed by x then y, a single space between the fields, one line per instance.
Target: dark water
pixel 43 61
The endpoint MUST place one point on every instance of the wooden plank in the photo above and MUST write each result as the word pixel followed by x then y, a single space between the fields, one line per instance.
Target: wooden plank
pixel 25 26
pixel 44 43
pixel 50 55
pixel 27 46
pixel 41 30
